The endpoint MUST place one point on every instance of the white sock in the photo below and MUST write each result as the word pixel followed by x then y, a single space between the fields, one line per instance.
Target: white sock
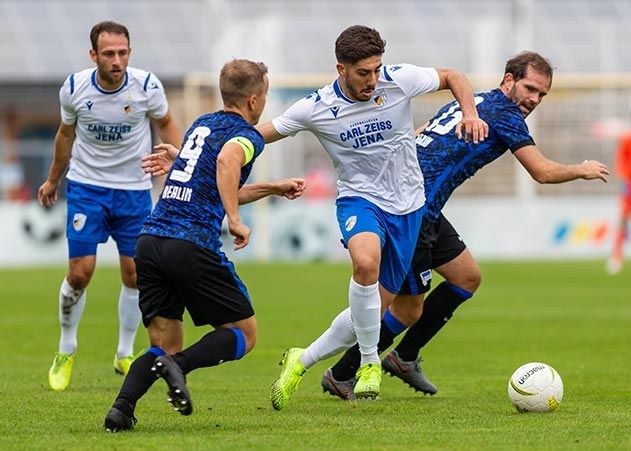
pixel 71 305
pixel 365 305
pixel 337 338
pixel 129 319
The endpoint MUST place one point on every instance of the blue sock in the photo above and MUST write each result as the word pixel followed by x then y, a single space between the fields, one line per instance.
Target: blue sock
pixel 393 324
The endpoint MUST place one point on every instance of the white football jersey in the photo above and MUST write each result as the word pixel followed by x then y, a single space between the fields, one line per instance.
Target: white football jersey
pixel 371 143
pixel 112 127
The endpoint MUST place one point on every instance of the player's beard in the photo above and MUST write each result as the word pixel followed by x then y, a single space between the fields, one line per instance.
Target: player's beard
pixel 108 77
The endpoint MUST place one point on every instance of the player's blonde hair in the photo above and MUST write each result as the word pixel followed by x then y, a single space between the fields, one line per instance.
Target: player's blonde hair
pixel 239 79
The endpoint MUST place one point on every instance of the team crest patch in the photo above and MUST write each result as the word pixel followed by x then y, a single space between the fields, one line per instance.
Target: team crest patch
pixel 380 97
pixel 78 221
pixel 350 223
pixel 426 276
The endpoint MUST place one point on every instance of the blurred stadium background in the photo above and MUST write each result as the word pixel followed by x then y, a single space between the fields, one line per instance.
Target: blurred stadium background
pixel 501 213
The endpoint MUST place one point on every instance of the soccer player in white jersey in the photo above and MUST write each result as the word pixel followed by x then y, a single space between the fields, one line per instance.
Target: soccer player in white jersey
pixel 104 133
pixel 364 122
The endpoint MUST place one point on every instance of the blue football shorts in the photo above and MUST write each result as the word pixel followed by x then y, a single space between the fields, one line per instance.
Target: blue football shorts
pixel 96 213
pixel 398 234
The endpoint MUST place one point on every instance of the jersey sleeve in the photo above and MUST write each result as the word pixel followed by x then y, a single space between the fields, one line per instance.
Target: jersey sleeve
pixel 158 105
pixel 512 129
pixel 296 118
pixel 413 80
pixel 68 112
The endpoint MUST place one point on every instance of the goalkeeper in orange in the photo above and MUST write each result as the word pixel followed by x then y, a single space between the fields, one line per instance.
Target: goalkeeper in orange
pixel 623 171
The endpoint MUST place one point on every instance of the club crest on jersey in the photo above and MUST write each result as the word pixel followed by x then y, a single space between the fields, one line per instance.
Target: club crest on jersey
pixel 78 221
pixel 380 97
pixel 335 110
pixel 350 223
pixel 89 104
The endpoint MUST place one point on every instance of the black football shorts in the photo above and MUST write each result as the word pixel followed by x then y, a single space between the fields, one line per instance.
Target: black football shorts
pixel 174 275
pixel 438 243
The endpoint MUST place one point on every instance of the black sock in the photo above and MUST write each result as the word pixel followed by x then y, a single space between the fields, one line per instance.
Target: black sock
pixel 437 310
pixel 347 366
pixel 220 345
pixel 138 380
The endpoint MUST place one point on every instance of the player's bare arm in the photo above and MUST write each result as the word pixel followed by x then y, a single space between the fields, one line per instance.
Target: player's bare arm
pixel 269 133
pixel 168 130
pixel 47 192
pixel 291 188
pixel 475 129
pixel 229 162
pixel 544 170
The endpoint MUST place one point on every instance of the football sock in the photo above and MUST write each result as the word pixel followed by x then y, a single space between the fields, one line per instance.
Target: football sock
pixel 71 305
pixel 339 336
pixel 129 319
pixel 437 310
pixel 138 380
pixel 221 345
pixel 347 366
pixel 365 304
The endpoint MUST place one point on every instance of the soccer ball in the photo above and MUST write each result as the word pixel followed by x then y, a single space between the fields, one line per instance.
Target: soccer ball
pixel 43 225
pixel 535 387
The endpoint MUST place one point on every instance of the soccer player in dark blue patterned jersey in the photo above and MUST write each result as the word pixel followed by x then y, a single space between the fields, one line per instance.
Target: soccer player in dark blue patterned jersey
pixel 446 163
pixel 178 254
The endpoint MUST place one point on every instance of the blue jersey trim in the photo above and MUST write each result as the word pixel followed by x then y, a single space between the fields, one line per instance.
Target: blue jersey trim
pixel 71 84
pixel 386 74
pixel 240 348
pixel 98 88
pixel 144 87
pixel 338 91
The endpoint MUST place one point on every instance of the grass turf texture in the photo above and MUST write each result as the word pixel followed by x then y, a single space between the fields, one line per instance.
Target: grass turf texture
pixel 570 315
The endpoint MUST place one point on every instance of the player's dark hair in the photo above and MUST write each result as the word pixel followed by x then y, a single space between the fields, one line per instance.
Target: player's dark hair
pixel 107 26
pixel 358 42
pixel 239 78
pixel 518 64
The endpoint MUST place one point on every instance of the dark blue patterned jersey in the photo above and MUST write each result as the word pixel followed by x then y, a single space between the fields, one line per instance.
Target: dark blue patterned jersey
pixel 447 161
pixel 189 207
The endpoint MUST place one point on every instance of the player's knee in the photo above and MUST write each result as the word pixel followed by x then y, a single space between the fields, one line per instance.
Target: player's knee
pixel 129 280
pixel 249 330
pixel 473 279
pixel 78 279
pixel 468 280
pixel 365 270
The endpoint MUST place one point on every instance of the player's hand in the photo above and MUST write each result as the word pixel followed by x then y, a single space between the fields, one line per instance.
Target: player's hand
pixel 475 129
pixel 160 162
pixel 290 188
pixel 47 194
pixel 594 170
pixel 241 234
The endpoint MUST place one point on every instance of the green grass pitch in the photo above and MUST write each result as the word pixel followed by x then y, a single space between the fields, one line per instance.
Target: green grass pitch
pixel 570 315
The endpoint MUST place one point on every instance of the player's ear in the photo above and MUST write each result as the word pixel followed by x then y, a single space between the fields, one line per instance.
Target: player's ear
pixel 93 55
pixel 508 81
pixel 341 69
pixel 252 99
